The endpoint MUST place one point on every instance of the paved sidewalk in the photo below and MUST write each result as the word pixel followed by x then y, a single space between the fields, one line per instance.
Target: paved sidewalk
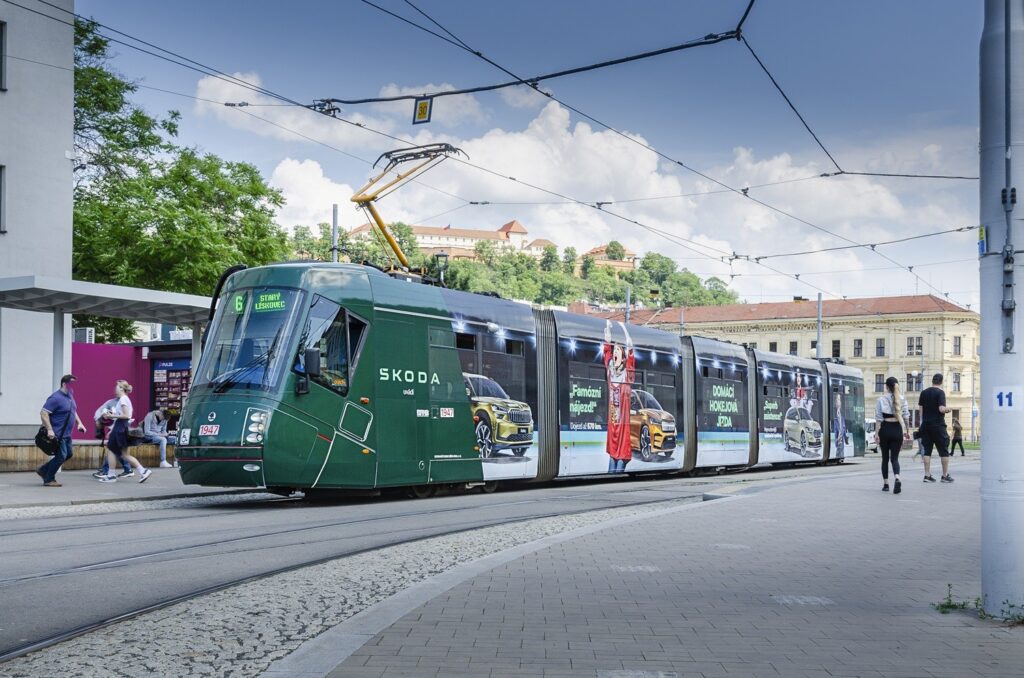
pixel 19 490
pixel 818 578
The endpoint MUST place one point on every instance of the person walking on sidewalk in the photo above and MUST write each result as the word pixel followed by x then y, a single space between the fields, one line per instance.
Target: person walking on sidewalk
pixel 102 421
pixel 154 430
pixel 58 412
pixel 892 411
pixel 958 438
pixel 117 444
pixel 932 405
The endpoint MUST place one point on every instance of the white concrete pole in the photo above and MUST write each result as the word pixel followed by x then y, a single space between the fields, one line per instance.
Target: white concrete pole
pixel 1002 464
pixel 58 348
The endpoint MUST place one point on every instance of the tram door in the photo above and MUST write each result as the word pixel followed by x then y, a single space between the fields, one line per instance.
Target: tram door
pixel 342 452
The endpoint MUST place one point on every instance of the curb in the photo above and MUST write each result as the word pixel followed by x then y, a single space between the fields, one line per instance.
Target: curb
pixel 113 500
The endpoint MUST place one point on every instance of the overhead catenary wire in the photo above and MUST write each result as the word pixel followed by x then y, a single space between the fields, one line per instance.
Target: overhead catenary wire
pixel 270 93
pixel 709 39
pixel 462 45
pixel 792 106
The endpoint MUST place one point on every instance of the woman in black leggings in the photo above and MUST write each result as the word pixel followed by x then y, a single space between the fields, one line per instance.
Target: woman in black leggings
pixel 892 413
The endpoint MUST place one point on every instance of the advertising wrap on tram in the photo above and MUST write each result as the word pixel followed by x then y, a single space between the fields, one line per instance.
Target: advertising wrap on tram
pixel 789 409
pixel 620 397
pixel 723 427
pixel 847 437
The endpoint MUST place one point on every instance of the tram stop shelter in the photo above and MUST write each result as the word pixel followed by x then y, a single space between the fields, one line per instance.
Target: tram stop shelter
pixel 60 297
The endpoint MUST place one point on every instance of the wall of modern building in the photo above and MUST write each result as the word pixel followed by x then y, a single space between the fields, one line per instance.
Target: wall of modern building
pixel 36 152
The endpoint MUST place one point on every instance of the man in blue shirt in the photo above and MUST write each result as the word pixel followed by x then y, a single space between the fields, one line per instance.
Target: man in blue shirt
pixel 57 414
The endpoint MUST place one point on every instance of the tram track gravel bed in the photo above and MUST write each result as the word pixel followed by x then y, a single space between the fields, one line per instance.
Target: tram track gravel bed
pixel 240 631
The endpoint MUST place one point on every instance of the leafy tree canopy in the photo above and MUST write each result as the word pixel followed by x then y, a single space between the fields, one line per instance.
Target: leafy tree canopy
pixel 148 212
pixel 615 251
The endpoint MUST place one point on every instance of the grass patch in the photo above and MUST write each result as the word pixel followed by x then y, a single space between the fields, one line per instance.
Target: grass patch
pixel 1010 614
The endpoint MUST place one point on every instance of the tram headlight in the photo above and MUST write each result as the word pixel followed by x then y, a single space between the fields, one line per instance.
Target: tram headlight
pixel 258 416
pixel 256 428
pixel 254 438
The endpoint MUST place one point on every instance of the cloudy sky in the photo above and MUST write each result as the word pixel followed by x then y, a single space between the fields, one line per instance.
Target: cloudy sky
pixel 887 87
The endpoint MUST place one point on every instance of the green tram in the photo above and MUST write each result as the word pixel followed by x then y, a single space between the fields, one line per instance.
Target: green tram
pixel 321 376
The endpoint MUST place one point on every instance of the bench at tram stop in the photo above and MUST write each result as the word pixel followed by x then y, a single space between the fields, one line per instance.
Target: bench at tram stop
pixel 23 455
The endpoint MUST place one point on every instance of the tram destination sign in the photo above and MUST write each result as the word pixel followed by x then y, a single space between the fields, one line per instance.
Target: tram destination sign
pixel 269 301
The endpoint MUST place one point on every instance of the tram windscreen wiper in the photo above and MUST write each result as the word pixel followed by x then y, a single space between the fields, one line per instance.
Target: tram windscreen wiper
pixel 229 379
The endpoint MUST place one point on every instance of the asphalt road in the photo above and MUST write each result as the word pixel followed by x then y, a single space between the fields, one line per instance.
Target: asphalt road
pixel 61 573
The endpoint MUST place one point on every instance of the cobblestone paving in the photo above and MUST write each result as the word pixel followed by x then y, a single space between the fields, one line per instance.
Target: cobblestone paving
pixel 240 631
pixel 830 578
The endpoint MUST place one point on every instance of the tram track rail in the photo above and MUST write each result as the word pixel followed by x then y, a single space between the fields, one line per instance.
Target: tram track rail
pixel 83 629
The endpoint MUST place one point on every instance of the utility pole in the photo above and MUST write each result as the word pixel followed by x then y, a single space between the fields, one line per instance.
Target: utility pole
pixel 334 233
pixel 818 344
pixel 682 320
pixel 629 290
pixel 1002 464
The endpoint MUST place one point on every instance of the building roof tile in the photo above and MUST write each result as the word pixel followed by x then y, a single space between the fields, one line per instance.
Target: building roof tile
pixel 788 310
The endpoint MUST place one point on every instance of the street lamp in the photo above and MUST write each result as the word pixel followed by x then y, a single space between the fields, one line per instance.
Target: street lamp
pixel 441 258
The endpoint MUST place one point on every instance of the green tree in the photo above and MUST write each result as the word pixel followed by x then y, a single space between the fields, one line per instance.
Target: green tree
pixel 549 261
pixel 373 248
pixel 615 251
pixel 486 252
pixel 150 213
pixel 587 266
pixel 657 266
pixel 569 261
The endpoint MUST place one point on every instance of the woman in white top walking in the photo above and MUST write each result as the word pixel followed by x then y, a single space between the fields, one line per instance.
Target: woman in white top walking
pixel 117 442
pixel 892 411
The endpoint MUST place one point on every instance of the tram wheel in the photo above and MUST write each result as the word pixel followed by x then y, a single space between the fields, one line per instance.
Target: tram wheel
pixel 490 487
pixel 422 491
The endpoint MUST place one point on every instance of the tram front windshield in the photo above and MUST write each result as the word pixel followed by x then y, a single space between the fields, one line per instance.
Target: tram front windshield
pixel 248 342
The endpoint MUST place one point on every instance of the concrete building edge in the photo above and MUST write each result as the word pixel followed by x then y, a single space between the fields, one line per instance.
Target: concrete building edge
pixel 317 657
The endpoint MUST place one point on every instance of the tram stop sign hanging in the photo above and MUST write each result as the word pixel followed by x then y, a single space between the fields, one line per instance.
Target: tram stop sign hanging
pixel 421 111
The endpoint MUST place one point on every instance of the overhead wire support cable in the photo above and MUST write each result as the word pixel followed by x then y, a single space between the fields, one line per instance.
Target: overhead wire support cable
pixel 871 246
pixel 792 106
pixel 461 45
pixel 709 39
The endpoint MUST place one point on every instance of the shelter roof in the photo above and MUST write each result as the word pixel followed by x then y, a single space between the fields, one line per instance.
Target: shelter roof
pixel 45 294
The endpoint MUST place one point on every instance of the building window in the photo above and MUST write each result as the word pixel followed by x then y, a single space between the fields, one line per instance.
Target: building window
pixel 915 345
pixel 773 346
pixel 835 348
pixel 814 345
pixel 879 383
pixel 792 348
pixel 858 348
pixel 879 348
pixel 956 381
pixel 958 346
pixel 753 345
pixel 914 382
pixel 3 56
pixel 956 414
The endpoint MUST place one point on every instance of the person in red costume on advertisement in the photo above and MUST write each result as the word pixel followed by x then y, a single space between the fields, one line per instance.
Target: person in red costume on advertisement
pixel 620 366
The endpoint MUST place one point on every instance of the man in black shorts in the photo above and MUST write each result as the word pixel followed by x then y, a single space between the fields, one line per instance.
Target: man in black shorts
pixel 932 406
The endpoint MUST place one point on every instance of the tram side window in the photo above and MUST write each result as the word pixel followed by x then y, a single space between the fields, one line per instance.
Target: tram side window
pixel 339 337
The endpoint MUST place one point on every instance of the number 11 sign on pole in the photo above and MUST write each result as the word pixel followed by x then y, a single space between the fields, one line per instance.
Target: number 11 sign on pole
pixel 1007 398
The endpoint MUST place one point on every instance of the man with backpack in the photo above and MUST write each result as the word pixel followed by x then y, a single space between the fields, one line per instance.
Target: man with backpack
pixel 58 412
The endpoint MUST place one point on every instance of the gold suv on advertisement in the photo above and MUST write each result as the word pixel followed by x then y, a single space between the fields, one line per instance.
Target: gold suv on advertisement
pixel 501 423
pixel 652 430
pixel 802 433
